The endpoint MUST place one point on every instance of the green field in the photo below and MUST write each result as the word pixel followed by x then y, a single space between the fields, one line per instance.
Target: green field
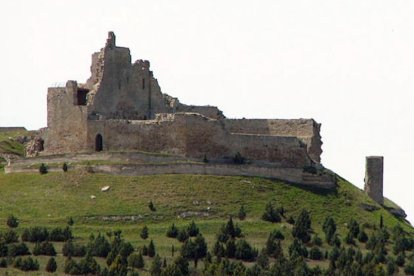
pixel 48 200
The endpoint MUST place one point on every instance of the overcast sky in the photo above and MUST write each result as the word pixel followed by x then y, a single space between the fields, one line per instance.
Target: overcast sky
pixel 347 64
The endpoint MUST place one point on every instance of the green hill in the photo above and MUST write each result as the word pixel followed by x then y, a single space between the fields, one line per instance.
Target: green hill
pixel 48 200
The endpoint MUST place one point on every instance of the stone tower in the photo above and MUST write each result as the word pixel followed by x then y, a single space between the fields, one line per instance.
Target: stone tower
pixel 374 170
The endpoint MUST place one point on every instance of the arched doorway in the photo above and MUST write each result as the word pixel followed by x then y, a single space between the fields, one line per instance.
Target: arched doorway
pixel 98 143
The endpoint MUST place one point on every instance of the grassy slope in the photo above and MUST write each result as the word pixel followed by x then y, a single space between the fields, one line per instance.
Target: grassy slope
pixel 49 199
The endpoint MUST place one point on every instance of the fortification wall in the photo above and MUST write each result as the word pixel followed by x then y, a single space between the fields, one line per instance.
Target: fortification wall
pixel 193 135
pixel 307 130
pixel 66 122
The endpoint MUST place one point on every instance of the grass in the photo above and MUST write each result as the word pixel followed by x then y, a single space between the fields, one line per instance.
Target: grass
pixel 48 200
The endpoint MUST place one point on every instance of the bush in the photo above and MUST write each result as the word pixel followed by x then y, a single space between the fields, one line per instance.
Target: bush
pixel 43 169
pixel 297 249
pixel 144 251
pixel 244 251
pixel 144 233
pixel 86 266
pixel 172 232
pixel 12 221
pixel 61 235
pixel 315 254
pixel 151 249
pixel 71 249
pixel 316 240
pixel 70 221
pixel 19 249
pixel 65 167
pixel 4 250
pixel 302 227
pixel 136 261
pixel 26 264
pixel 99 246
pixel 192 229
pixel 182 235
pixel 3 263
pixel 51 265
pixel 10 236
pixel 35 234
pixel 270 214
pixel 45 248
pixel 151 206
pixel 242 213
pixel 156 266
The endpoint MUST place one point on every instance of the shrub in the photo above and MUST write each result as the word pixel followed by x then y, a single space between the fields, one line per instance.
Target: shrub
pixel 136 261
pixel 192 229
pixel 151 249
pixel 229 230
pixel 315 254
pixel 35 234
pixel 172 232
pixel 316 240
pixel 65 167
pixel 71 249
pixel 99 246
pixel 43 169
pixel 329 228
pixel 86 266
pixel 61 235
pixel 270 214
pixel 156 266
pixel 3 263
pixel 19 249
pixel 362 236
pixel 45 248
pixel 244 251
pixel 51 265
pixel 10 236
pixel 4 250
pixel 12 221
pixel 242 213
pixel 144 250
pixel 182 235
pixel 151 206
pixel 290 220
pixel 302 227
pixel 144 233
pixel 230 250
pixel 297 249
pixel 26 264
pixel 273 247
pixel 70 221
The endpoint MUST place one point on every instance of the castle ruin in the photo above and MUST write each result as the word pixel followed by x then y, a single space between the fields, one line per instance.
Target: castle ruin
pixel 121 108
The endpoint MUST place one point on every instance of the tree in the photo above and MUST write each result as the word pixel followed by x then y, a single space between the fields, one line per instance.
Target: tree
pixel 182 235
pixel 172 232
pixel 263 259
pixel 51 265
pixel 43 169
pixel 156 265
pixel 12 221
pixel 329 228
pixel 151 206
pixel 136 260
pixel 70 221
pixel 353 227
pixel 242 213
pixel 144 233
pixel 297 249
pixel 362 236
pixel 151 249
pixel 315 253
pixel 192 229
pixel 270 214
pixel 273 247
pixel 65 167
pixel 244 251
pixel 302 227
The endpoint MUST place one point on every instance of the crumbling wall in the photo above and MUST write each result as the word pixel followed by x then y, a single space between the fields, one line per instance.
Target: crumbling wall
pixel 193 135
pixel 307 130
pixel 374 171
pixel 66 121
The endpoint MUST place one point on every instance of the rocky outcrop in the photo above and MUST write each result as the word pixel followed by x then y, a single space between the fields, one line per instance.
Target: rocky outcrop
pixel 34 146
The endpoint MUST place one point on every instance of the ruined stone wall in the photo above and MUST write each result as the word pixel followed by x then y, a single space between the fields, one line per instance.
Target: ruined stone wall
pixel 207 111
pixel 193 135
pixel 374 171
pixel 307 130
pixel 66 122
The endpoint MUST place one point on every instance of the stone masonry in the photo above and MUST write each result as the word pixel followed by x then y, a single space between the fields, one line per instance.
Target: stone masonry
pixel 121 108
pixel 374 170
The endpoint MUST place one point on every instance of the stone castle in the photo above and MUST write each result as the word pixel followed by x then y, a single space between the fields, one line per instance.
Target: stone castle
pixel 121 108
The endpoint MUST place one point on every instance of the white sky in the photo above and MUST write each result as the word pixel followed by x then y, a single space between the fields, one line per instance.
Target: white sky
pixel 347 64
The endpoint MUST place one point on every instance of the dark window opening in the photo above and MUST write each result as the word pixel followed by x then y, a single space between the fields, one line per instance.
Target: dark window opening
pixel 98 143
pixel 81 96
pixel 143 83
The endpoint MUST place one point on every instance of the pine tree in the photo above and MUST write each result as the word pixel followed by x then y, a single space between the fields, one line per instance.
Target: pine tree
pixel 151 206
pixel 156 266
pixel 192 229
pixel 144 233
pixel 51 265
pixel 151 249
pixel 172 232
pixel 242 213
pixel 329 228
pixel 302 227
pixel 270 214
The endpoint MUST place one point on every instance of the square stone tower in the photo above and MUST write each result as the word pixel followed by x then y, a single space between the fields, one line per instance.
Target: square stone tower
pixel 374 171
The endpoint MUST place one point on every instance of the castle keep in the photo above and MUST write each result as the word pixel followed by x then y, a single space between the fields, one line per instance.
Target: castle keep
pixel 121 108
